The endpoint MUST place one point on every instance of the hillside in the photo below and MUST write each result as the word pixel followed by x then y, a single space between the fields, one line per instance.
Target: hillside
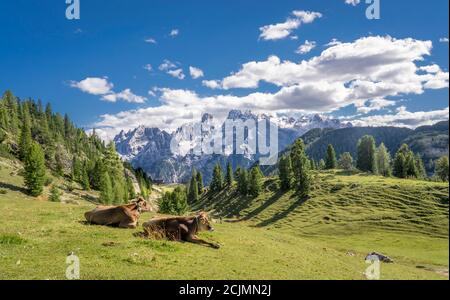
pixel 431 142
pixel 326 237
pixel 64 152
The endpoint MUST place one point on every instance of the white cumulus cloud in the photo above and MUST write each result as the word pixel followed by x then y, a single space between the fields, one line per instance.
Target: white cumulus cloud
pixel 306 47
pixel 196 72
pixel 101 87
pixel 283 30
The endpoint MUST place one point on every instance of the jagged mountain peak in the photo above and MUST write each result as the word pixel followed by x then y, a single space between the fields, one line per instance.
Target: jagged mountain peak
pixel 150 148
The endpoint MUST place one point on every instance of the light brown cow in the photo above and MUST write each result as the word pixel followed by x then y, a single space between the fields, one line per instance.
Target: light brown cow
pixel 125 216
pixel 180 229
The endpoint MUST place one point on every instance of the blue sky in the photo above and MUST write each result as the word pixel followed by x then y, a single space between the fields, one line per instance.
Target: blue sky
pixel 44 55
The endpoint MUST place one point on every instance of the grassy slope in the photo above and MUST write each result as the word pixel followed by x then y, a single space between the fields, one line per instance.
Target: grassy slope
pixel 282 239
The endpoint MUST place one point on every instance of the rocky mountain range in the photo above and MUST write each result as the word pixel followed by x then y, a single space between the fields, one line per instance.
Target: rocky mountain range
pixel 150 148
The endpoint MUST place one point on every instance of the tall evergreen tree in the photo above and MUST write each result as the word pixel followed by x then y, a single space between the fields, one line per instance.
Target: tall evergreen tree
pixel 25 135
pixel 330 161
pixel 366 161
pixel 346 161
pixel 321 165
pixel 242 178
pixel 383 159
pixel 217 180
pixel 420 167
pixel 35 170
pixel 406 164
pixel 85 178
pixel 285 172
pixel 106 189
pixel 441 168
pixel 229 177
pixel 192 196
pixel 300 168
pixel 399 169
pixel 200 185
pixel 130 188
pixel 255 181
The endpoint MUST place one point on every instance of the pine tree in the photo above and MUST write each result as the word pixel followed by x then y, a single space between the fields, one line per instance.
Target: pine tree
pixel 321 165
pixel 330 162
pixel 285 172
pixel 131 192
pixel 25 135
pixel 346 161
pixel 174 203
pixel 35 170
pixel 200 186
pixel 12 110
pixel 242 181
pixel 55 194
pixel 192 196
pixel 441 168
pixel 420 167
pixel 229 177
pixel 106 190
pixel 255 181
pixel 411 167
pixel 406 164
pixel 85 178
pixel 383 159
pixel 399 169
pixel 300 168
pixel 217 180
pixel 366 161
pixel 76 170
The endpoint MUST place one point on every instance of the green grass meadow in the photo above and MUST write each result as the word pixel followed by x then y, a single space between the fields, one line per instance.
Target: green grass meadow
pixel 275 236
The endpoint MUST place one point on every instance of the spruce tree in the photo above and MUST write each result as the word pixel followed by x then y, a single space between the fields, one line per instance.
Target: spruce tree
pixel 200 186
pixel 255 181
pixel 300 168
pixel 130 189
pixel 285 172
pixel 383 159
pixel 192 196
pixel 330 162
pixel 25 135
pixel 346 161
pixel 321 165
pixel 441 168
pixel 366 161
pixel 217 180
pixel 35 170
pixel 106 190
pixel 420 167
pixel 242 178
pixel 85 178
pixel 55 194
pixel 399 169
pixel 229 177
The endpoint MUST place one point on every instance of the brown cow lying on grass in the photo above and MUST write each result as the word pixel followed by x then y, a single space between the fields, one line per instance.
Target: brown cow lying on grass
pixel 125 216
pixel 180 229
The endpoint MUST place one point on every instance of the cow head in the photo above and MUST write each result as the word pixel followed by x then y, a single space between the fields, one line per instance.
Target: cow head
pixel 142 205
pixel 204 223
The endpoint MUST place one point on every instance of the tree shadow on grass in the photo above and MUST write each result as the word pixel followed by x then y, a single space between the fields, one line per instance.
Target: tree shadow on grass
pixel 13 188
pixel 283 214
pixel 275 197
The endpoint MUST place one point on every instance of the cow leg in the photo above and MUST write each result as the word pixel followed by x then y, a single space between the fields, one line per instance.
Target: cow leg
pixel 196 240
pixel 131 225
